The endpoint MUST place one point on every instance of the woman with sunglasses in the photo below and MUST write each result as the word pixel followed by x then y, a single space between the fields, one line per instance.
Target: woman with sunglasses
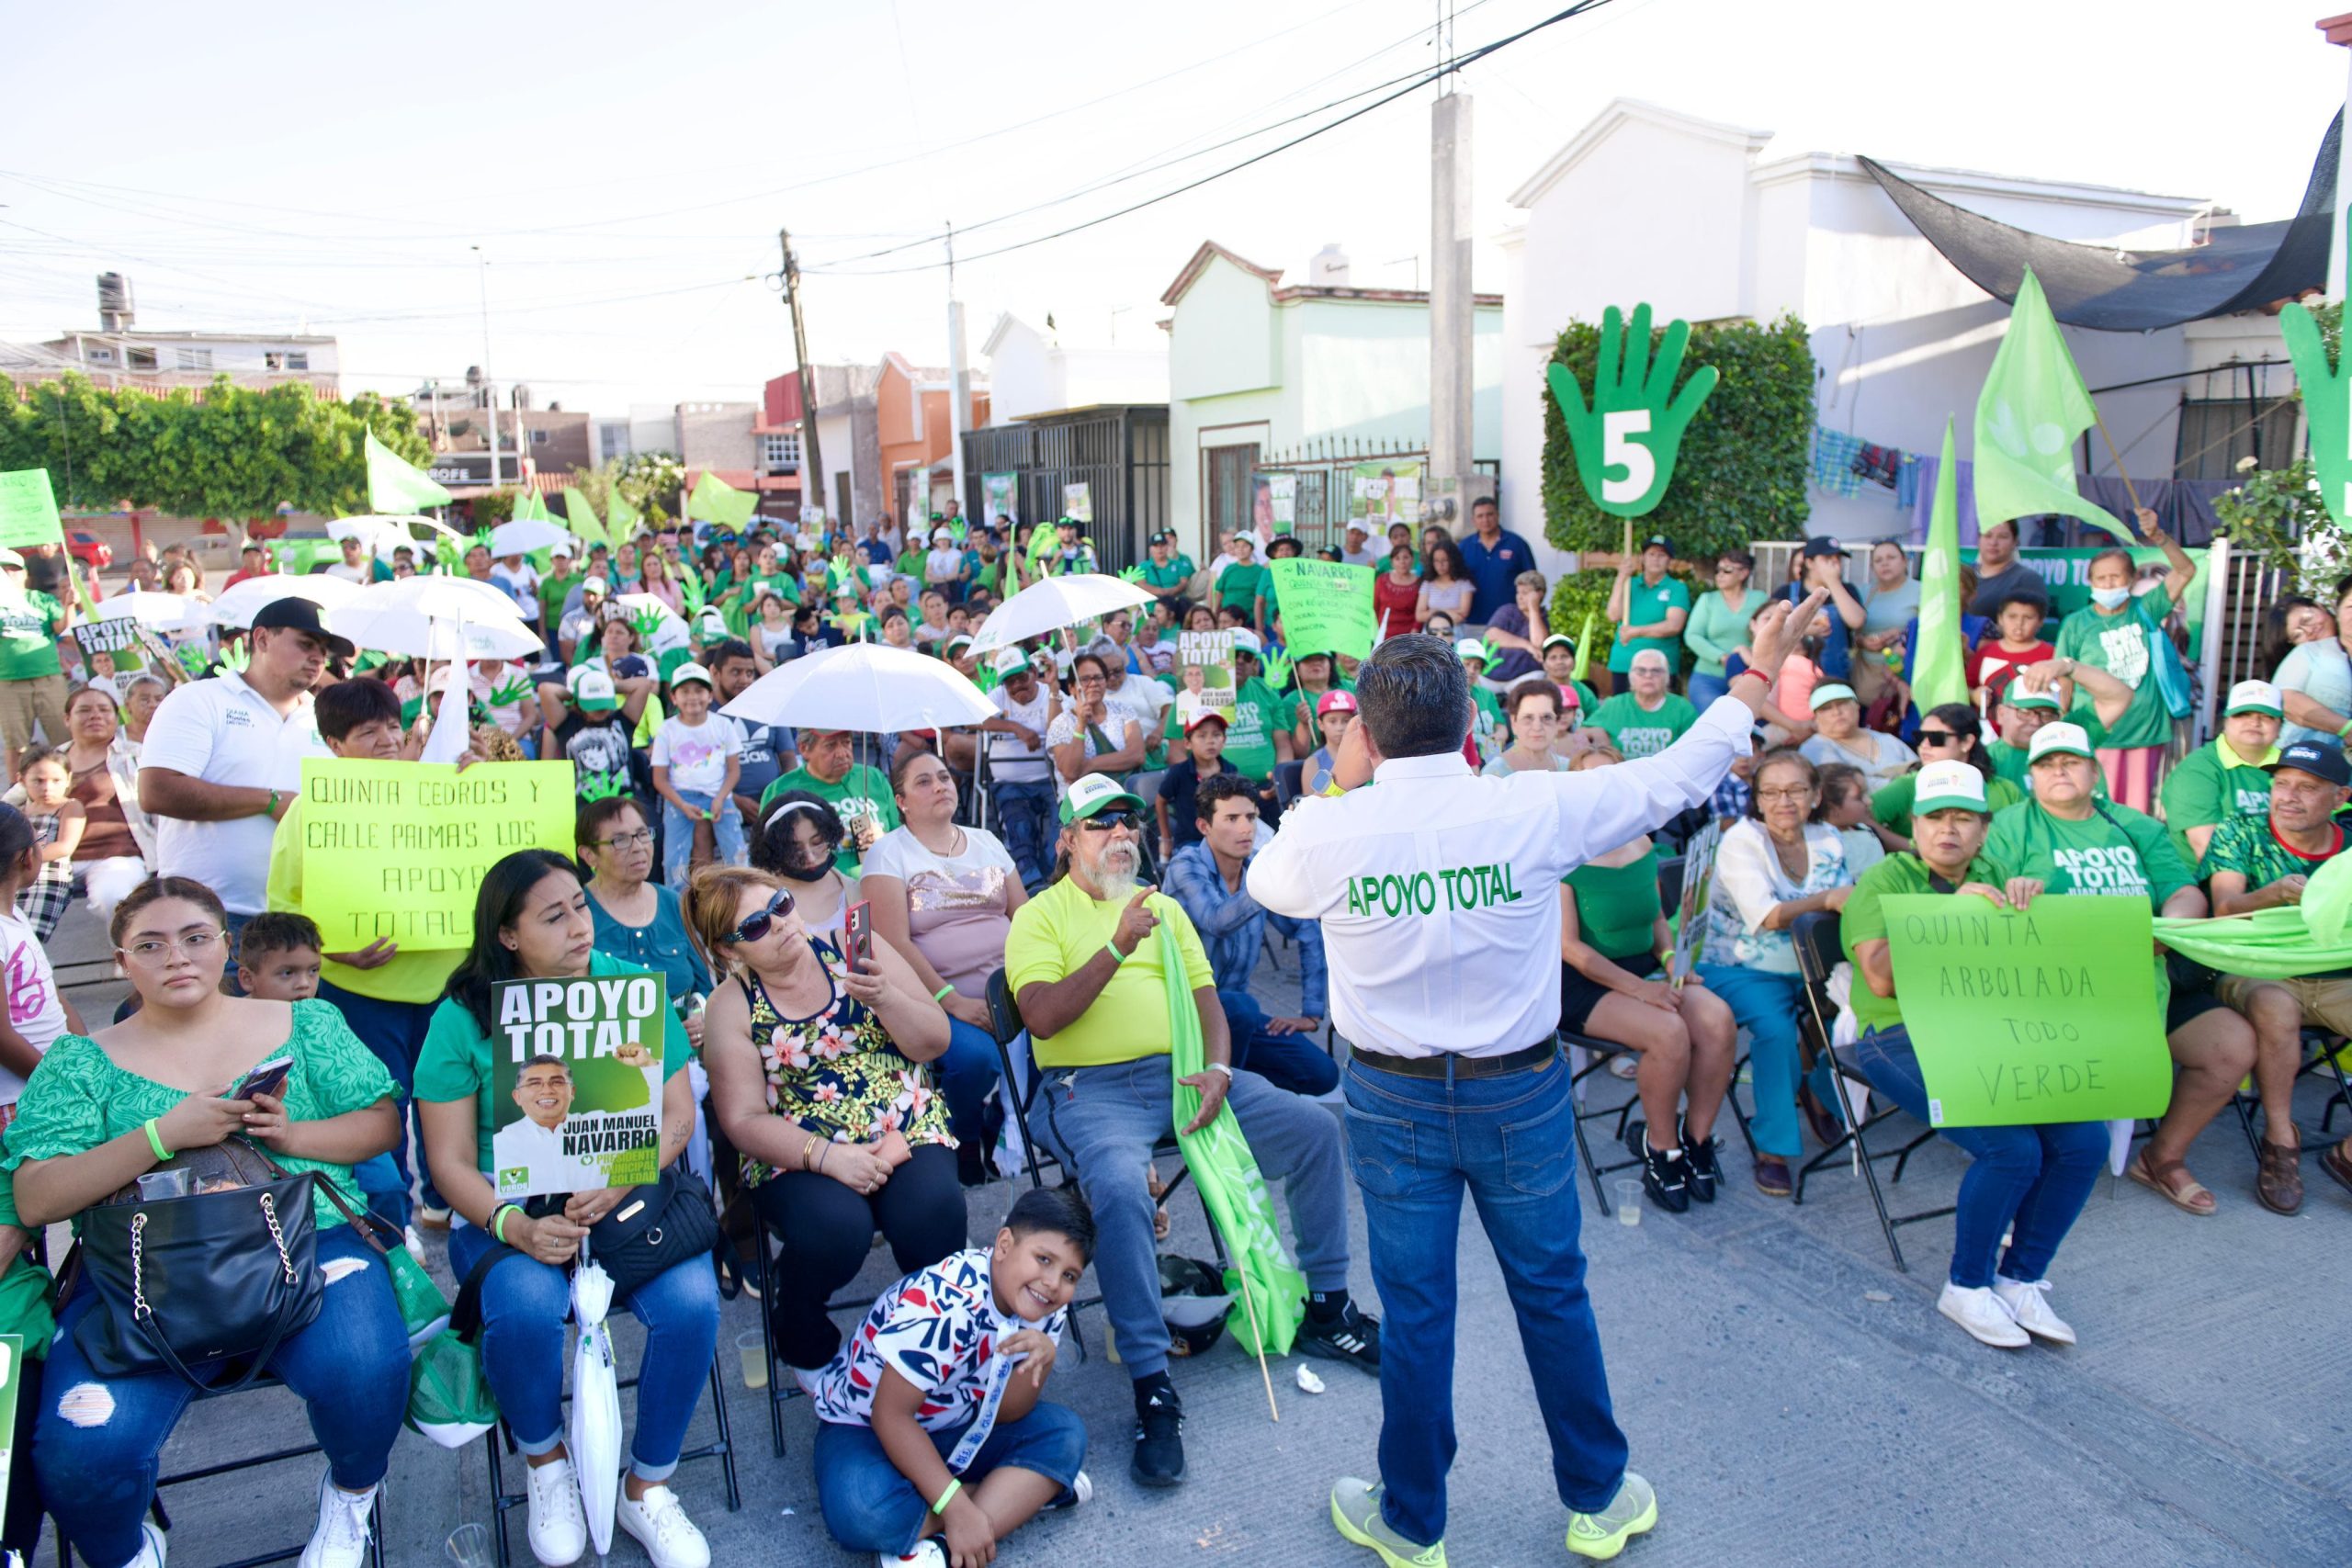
pixel 1950 732
pixel 1718 626
pixel 532 921
pixel 818 1077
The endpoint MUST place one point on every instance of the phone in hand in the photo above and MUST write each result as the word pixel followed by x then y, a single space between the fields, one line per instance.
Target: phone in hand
pixel 268 1078
pixel 857 925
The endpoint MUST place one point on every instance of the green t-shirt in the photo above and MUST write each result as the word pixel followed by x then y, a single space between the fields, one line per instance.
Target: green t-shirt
pixel 455 1060
pixel 1645 606
pixel 2118 643
pixel 30 628
pixel 2114 850
pixel 1892 804
pixel 2246 845
pixel 1644 732
pixel 1617 906
pixel 1864 920
pixel 1257 715
pixel 863 789
pixel 553 591
pixel 2009 762
pixel 2209 786
pixel 77 1099
pixel 1175 574
pixel 1241 587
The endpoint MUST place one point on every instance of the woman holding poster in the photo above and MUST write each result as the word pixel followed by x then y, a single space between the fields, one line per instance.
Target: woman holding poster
pixel 532 921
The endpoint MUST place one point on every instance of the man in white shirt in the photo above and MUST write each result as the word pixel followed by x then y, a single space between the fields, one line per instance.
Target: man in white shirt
pixel 354 566
pixel 223 758
pixel 1358 552
pixel 1436 892
pixel 544 1092
pixel 1020 779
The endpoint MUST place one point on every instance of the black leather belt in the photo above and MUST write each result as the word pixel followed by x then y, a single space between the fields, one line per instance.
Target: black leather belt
pixel 1463 1066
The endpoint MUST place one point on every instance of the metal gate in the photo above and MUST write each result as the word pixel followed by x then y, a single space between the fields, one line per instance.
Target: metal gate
pixel 1324 469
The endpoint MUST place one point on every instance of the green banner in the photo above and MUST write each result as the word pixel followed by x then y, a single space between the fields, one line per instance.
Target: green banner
pixel 2068 575
pixel 2023 1018
pixel 576 1073
pixel 1326 606
pixel 28 509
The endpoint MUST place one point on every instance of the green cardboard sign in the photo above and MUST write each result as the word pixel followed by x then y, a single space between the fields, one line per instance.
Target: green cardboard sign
pixel 1327 607
pixel 1634 426
pixel 591 1116
pixel 29 510
pixel 12 1382
pixel 2020 1018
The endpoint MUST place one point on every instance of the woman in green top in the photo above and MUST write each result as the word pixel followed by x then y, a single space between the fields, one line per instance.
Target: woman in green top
pixel 532 921
pixel 2070 842
pixel 102 1111
pixel 2115 633
pixel 1718 625
pixel 1614 937
pixel 1949 732
pixel 1244 585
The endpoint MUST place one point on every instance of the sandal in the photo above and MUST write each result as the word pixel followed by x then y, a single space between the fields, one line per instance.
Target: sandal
pixel 2278 1182
pixel 2190 1197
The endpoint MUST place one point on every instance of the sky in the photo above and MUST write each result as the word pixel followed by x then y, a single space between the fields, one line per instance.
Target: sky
pixel 623 170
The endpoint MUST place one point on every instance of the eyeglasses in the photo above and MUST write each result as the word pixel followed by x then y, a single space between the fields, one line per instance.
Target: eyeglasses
pixel 758 923
pixel 1937 738
pixel 1782 793
pixel 1108 822
pixel 197 945
pixel 624 840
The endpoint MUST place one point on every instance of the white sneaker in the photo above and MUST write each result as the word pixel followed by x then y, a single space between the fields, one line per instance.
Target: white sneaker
pixel 2024 1299
pixel 415 1243
pixel 152 1545
pixel 1077 1495
pixel 928 1554
pixel 559 1524
pixel 341 1538
pixel 1980 1312
pixel 659 1523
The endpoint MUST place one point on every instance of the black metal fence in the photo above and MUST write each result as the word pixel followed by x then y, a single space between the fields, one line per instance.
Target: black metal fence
pixel 1324 469
pixel 1120 454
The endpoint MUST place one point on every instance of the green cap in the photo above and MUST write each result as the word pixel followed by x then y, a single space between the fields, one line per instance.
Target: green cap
pixel 1091 793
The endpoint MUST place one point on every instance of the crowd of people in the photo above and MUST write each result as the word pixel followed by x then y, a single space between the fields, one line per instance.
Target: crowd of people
pixel 1090 835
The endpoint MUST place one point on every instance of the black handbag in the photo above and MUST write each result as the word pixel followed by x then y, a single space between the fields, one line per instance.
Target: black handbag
pixel 656 1228
pixel 191 1284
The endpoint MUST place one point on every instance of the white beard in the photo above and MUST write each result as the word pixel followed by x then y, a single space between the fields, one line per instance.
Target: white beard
pixel 1115 875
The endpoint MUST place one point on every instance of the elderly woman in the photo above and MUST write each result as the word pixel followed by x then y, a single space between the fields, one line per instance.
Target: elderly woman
pixel 818 1077
pixel 1088 735
pixel 1533 710
pixel 2068 841
pixel 2116 633
pixel 1778 863
pixel 102 1111
pixel 638 921
pixel 1839 737
pixel 532 922
pixel 141 696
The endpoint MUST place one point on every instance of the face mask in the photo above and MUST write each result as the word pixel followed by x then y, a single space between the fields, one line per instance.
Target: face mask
pixel 2110 598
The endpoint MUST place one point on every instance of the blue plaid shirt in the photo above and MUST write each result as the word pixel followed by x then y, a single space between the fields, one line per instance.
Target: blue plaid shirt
pixel 1232 925
pixel 1731 796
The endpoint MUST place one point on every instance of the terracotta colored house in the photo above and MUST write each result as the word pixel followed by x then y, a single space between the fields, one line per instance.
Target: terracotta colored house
pixel 916 427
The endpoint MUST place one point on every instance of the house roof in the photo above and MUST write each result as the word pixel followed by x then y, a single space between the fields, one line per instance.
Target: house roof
pixel 1194 269
pixel 1285 293
pixel 1619 113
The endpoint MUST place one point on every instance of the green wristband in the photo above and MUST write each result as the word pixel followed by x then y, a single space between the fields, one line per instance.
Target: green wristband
pixel 948 1497
pixel 942 994
pixel 1113 949
pixel 156 1141
pixel 498 1223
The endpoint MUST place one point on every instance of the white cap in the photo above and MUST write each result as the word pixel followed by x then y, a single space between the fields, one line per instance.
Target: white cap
pixel 1010 662
pixel 593 689
pixel 2060 736
pixel 560 547
pixel 2254 697
pixel 1246 641
pixel 1942 785
pixel 690 671
pixel 943 534
pixel 1470 648
pixel 594 585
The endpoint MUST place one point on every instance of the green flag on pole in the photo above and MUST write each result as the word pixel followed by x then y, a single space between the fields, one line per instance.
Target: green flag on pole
pixel 1584 649
pixel 581 513
pixel 715 501
pixel 2032 410
pixel 1270 1292
pixel 394 486
pixel 621 521
pixel 1938 666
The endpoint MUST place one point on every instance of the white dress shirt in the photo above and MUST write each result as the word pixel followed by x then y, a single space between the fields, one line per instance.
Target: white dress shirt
pixel 1438 889
pixel 222 731
pixel 527 1145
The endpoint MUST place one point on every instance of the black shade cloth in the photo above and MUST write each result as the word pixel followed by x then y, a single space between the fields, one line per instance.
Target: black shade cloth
pixel 2240 268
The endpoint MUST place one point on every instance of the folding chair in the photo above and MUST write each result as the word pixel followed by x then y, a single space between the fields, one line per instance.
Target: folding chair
pixel 2320 1049
pixel 1290 783
pixel 1814 937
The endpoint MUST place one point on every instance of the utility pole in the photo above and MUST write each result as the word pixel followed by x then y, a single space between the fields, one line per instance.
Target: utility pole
pixel 1450 480
pixel 489 382
pixel 959 398
pixel 812 466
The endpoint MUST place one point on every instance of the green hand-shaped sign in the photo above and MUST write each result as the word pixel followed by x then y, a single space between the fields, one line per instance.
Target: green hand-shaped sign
pixel 2327 403
pixel 1132 574
pixel 1631 429
pixel 647 623
pixel 1277 670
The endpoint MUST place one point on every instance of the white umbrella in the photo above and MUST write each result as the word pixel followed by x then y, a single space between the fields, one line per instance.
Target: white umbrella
pixel 149 609
pixel 1053 603
pixel 523 536
pixel 441 598
pixel 594 1438
pixel 411 633
pixel 864 686
pixel 669 633
pixel 386 534
pixel 237 605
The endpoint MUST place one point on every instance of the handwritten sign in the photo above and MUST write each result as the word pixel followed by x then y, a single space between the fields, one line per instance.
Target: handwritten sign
pixel 399 849
pixel 28 509
pixel 1327 607
pixel 2045 1015
pixel 576 1075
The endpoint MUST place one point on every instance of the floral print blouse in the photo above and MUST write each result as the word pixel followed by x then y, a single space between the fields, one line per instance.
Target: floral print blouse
pixel 837 1074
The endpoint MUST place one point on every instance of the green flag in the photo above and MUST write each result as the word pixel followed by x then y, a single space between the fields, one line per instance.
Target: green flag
pixel 1227 1174
pixel 2032 410
pixel 715 501
pixel 1938 666
pixel 581 512
pixel 621 521
pixel 394 486
pixel 1584 647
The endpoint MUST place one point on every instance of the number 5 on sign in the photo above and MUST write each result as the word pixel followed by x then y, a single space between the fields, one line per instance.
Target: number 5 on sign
pixel 1632 427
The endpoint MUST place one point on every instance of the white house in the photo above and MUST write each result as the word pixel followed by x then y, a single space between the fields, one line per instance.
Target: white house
pixel 1690 216
pixel 1031 372
pixel 1257 367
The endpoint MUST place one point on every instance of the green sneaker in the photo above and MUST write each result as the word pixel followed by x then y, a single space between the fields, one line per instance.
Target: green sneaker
pixel 1355 1510
pixel 1603 1535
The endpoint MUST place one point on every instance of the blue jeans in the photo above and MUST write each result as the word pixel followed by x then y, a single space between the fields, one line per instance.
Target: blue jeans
pixel 1416 1143
pixel 678 835
pixel 96 1439
pixel 1705 689
pixel 1294 1062
pixel 1024 813
pixel 965 1073
pixel 869 1506
pixel 2029 1181
pixel 395 1032
pixel 524 1303
pixel 1107 1119
pixel 1768 1006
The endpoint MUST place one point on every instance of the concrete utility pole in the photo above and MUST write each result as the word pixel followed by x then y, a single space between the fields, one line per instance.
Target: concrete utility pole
pixel 489 382
pixel 1450 316
pixel 812 466
pixel 959 400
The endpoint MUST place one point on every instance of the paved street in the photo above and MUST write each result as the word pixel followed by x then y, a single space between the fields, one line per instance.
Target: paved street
pixel 1792 1395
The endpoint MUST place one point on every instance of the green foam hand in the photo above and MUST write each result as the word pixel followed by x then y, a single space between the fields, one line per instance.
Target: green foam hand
pixel 1132 574
pixel 2327 403
pixel 191 660
pixel 1494 655
pixel 647 623
pixel 1633 424
pixel 1277 670
pixel 234 658
pixel 509 695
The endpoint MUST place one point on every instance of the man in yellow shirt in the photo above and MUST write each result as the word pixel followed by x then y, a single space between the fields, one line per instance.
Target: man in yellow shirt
pixel 1084 962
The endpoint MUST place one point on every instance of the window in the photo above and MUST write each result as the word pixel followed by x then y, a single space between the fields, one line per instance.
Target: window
pixel 781 449
pixel 195 358
pixel 298 359
pixel 100 355
pixel 139 358
pixel 538 438
pixel 2216 433
pixel 285 359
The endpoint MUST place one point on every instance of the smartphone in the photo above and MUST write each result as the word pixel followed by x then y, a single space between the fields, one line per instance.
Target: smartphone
pixel 268 1079
pixel 857 923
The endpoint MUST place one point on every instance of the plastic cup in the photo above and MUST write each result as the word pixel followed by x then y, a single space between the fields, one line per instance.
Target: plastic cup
pixel 1629 1199
pixel 470 1546
pixel 752 1346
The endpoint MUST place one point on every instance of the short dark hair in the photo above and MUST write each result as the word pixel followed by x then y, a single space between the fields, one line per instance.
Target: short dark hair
pixel 598 814
pixel 1056 1211
pixel 1486 501
pixel 347 704
pixel 154 890
pixel 2041 605
pixel 1414 696
pixel 733 647
pixel 1221 786
pixel 1533 686
pixel 278 931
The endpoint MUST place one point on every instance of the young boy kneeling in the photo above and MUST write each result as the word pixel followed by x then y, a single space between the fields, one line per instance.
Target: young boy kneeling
pixel 939 1388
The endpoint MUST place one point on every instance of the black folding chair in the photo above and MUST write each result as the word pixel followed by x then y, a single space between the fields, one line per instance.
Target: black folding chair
pixel 1814 937
pixel 2320 1049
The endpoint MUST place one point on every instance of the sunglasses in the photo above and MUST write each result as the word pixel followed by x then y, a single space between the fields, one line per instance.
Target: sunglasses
pixel 1108 822
pixel 759 922
pixel 1937 738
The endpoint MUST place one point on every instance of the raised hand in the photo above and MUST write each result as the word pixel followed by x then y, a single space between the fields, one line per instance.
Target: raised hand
pixel 1635 421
